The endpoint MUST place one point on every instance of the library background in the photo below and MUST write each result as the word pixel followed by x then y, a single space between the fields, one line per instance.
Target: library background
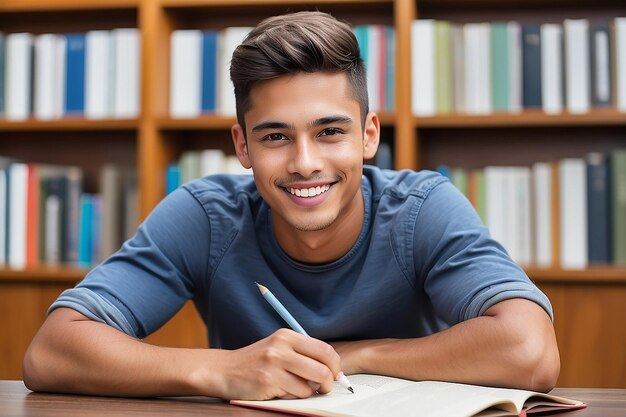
pixel 107 106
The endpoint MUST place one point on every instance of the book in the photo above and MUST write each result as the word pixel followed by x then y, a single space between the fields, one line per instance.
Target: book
pixel 617 195
pixel 598 208
pixel 17 87
pixel 620 63
pixel 573 213
pixel 75 74
pixel 552 68
pixel 423 67
pixel 376 395
pixel 209 71
pixel 531 65
pixel 577 65
pixel 600 45
pixel 126 56
pixel 185 70
pixel 98 74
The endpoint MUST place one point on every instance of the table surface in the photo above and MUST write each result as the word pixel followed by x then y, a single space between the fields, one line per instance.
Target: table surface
pixel 17 401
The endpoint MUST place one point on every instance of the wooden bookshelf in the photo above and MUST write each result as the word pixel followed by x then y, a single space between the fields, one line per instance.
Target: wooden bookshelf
pixel 154 139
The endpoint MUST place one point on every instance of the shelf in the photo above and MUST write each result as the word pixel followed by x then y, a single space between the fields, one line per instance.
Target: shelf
pixel 44 275
pixel 240 3
pixel 591 275
pixel 528 118
pixel 77 123
pixel 212 122
pixel 46 5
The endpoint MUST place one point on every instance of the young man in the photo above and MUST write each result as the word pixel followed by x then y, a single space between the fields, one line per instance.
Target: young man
pixel 389 272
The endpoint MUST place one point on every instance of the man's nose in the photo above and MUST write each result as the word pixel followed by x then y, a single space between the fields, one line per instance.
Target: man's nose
pixel 306 157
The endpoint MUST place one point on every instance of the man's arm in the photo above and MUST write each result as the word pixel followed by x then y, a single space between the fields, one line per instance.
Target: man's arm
pixel 512 345
pixel 72 353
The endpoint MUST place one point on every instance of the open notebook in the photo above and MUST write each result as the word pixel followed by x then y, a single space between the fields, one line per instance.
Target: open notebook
pixel 376 396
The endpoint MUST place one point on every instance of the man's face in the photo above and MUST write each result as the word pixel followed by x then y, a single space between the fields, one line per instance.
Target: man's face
pixel 306 146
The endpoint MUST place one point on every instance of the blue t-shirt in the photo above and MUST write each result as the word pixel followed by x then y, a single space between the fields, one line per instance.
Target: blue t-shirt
pixel 423 261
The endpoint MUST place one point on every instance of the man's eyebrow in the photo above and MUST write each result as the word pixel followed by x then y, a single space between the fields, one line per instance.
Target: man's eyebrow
pixel 272 125
pixel 330 120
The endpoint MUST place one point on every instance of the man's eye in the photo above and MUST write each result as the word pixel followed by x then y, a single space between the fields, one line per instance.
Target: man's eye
pixel 274 137
pixel 330 131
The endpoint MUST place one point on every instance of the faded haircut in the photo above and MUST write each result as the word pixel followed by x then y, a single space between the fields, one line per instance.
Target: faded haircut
pixel 297 42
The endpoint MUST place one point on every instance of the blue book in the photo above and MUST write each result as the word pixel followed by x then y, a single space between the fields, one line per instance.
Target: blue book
pixel 384 156
pixel 209 71
pixel 598 206
pixel 96 226
pixel 172 177
pixel 85 230
pixel 75 74
pixel 531 65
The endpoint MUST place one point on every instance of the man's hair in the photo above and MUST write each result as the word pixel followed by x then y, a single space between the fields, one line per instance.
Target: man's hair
pixel 298 42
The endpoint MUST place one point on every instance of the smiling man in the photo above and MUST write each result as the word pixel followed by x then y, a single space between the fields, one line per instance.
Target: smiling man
pixel 389 272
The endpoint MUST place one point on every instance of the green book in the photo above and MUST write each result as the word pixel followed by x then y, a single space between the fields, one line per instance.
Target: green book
pixel 618 204
pixel 500 67
pixel 444 101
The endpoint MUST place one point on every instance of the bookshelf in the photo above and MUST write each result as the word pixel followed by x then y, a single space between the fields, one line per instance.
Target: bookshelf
pixel 588 303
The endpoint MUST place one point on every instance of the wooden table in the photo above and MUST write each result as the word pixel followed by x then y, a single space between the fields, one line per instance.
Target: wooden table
pixel 17 401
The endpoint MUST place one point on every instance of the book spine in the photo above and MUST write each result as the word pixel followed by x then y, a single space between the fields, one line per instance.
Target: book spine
pixel 600 46
pixel 209 71
pixel 551 68
pixel 620 64
pixel 18 76
pixel 573 213
pixel 577 65
pixel 598 227
pixel 422 67
pixel 75 74
pixel 531 62
pixel 618 205
pixel 500 67
pixel 98 74
pixel 185 69
pixel 126 52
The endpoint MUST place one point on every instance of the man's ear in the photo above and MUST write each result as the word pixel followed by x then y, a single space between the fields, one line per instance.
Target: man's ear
pixel 371 135
pixel 241 145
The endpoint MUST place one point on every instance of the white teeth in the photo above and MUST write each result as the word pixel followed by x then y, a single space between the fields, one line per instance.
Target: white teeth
pixel 309 192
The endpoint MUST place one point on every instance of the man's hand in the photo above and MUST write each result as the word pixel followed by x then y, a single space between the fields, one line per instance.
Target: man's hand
pixel 283 365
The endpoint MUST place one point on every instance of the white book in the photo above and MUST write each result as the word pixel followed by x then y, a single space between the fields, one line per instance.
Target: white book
pixel 234 167
pixel 18 61
pixel 542 214
pixel 44 76
pixel 523 220
pixel 185 73
pixel 458 68
pixel 373 67
pixel 620 62
pixel 212 161
pixel 18 195
pixel 423 67
pixel 127 60
pixel 510 212
pixel 98 74
pixel 514 30
pixel 495 183
pixel 551 68
pixel 228 40
pixel 53 224
pixel 478 68
pixel 60 54
pixel 577 65
pixel 573 213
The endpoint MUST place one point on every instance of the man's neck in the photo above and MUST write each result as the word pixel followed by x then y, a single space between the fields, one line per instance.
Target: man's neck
pixel 326 245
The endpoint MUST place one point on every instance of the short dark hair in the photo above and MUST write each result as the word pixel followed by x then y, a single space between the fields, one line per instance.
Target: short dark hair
pixel 297 42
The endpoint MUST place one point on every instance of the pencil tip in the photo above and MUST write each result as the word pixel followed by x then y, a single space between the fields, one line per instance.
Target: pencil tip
pixel 351 389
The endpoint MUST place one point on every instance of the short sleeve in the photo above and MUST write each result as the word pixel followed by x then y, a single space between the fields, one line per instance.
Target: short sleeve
pixel 461 268
pixel 153 274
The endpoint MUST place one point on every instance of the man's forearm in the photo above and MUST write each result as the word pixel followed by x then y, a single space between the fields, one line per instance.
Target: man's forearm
pixel 81 356
pixel 513 345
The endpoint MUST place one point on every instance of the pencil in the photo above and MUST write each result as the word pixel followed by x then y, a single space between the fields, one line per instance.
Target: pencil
pixel 291 321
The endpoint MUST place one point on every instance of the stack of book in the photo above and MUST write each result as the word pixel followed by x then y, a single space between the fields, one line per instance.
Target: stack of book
pixel 51 76
pixel 483 68
pixel 46 218
pixel 200 163
pixel 569 213
pixel 200 78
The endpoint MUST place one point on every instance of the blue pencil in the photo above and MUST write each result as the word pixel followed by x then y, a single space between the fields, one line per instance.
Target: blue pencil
pixel 291 321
